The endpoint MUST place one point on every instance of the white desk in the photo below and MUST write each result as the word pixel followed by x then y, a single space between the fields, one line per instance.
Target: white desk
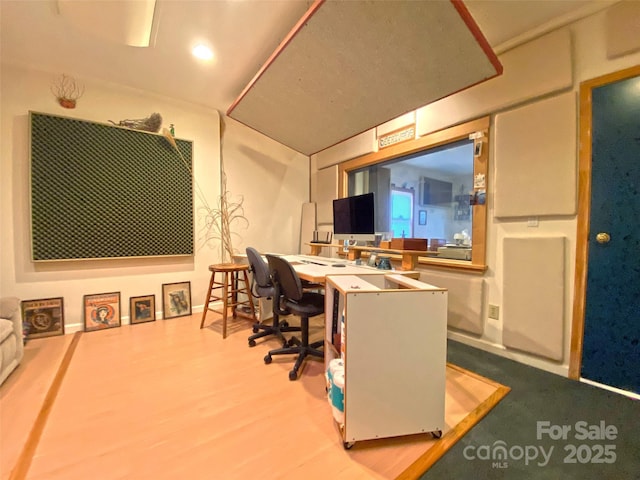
pixel 315 269
pixel 317 272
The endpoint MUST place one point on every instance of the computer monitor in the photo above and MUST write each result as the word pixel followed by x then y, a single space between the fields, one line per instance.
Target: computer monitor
pixel 354 218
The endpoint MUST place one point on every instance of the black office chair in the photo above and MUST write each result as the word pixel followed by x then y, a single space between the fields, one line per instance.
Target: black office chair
pixel 261 286
pixel 299 302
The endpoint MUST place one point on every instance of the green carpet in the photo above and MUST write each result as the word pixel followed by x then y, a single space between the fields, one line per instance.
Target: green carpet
pixel 537 396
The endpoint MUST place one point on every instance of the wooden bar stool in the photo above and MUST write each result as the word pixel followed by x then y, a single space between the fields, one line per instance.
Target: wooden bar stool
pixel 235 280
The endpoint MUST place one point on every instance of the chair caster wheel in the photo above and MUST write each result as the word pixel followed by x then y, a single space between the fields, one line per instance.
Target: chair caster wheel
pixel 284 324
pixel 348 445
pixel 255 329
pixel 252 343
pixel 267 359
pixel 293 375
pixel 437 434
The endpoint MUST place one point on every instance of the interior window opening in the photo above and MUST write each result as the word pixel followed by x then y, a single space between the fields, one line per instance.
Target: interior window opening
pixel 434 192
pixel 427 195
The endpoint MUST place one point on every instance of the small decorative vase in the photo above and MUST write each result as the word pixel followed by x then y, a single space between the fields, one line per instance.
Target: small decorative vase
pixel 384 263
pixel 67 102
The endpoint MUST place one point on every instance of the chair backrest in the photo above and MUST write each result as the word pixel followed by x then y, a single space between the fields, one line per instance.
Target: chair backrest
pixel 263 287
pixel 286 277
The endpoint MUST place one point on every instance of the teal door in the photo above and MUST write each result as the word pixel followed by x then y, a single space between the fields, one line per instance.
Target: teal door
pixel 611 349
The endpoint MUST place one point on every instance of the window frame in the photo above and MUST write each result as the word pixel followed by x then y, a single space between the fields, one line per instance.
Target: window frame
pixel 479 128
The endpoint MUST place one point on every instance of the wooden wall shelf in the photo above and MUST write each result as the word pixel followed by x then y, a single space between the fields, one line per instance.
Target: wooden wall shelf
pixel 409 257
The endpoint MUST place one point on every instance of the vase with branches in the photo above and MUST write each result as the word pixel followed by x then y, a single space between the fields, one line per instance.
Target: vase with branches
pixel 218 221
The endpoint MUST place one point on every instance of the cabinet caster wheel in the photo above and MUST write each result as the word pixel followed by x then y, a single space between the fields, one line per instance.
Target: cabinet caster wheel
pixel 348 445
pixel 267 359
pixel 252 343
pixel 437 434
pixel 293 375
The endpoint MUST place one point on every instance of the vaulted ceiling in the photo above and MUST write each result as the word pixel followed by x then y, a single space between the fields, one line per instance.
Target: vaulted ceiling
pixel 53 35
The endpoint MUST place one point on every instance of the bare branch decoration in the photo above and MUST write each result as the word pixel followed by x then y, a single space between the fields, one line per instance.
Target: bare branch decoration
pixel 67 91
pixel 152 123
pixel 218 221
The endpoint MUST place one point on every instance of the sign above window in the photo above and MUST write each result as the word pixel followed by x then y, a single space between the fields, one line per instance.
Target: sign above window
pixel 399 136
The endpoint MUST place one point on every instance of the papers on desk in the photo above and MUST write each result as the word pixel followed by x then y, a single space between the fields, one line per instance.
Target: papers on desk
pixel 316 272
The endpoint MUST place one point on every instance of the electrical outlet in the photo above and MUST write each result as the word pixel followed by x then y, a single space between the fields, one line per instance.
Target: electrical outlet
pixel 494 312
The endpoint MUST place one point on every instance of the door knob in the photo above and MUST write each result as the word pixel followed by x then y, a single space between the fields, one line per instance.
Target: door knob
pixel 603 237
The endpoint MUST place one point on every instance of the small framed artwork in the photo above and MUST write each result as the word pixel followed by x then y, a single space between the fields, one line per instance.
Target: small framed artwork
pixel 373 258
pixel 142 309
pixel 477 149
pixel 101 310
pixel 422 217
pixel 43 317
pixel 176 299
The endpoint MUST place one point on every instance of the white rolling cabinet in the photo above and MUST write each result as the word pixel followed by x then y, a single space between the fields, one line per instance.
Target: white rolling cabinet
pixel 394 354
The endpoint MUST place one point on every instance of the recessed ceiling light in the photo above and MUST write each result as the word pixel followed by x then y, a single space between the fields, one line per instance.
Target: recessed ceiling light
pixel 202 51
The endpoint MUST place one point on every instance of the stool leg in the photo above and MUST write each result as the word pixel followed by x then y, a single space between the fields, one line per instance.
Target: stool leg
pixel 206 302
pixel 234 293
pixel 225 303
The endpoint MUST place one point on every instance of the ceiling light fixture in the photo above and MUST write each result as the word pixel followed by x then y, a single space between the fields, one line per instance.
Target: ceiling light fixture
pixel 202 52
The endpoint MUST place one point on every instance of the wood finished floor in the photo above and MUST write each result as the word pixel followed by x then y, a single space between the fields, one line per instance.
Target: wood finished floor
pixel 166 400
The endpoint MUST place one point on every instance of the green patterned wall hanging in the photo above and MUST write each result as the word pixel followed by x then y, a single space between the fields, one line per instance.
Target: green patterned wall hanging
pixel 101 191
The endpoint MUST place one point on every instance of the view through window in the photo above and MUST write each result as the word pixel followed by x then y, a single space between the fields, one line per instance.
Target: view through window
pixel 432 192
pixel 402 202
pixel 428 194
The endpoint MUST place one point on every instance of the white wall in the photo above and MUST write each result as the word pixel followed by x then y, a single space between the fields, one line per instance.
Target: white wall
pixel 253 162
pixel 274 182
pixel 535 71
pixel 588 60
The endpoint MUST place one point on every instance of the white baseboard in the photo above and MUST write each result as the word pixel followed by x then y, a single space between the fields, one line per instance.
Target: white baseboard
pixel 562 370
pixel 73 328
pixel 70 328
pixel 632 395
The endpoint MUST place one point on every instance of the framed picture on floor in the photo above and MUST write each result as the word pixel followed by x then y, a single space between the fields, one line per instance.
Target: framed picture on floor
pixel 101 310
pixel 176 299
pixel 142 309
pixel 43 317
